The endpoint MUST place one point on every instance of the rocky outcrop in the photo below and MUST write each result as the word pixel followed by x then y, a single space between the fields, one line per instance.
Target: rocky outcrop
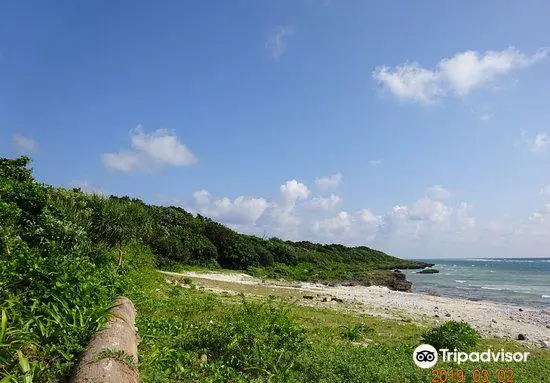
pixel 399 282
pixel 405 266
pixel 428 271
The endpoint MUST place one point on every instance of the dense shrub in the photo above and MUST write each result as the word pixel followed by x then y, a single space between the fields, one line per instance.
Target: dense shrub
pixel 282 252
pixel 451 335
pixel 53 296
pixel 201 250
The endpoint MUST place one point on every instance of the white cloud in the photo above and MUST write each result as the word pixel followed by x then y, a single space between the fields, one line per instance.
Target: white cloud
pixel 459 74
pixel 150 151
pixel 293 190
pixel 369 218
pixel 540 143
pixel 537 144
pixel 426 209
pixel 438 192
pixel 24 144
pixel 85 187
pixel 202 197
pixel 276 42
pixel 410 82
pixel 375 163
pixel 541 214
pixel 339 224
pixel 332 181
pixel 468 70
pixel 242 211
pixel 324 203
pixel 486 117
pixel 124 161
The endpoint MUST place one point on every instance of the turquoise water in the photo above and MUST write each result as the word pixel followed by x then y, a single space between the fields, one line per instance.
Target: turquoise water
pixel 522 282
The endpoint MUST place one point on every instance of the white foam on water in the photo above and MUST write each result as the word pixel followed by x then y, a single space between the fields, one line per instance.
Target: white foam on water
pixel 492 288
pixel 459 281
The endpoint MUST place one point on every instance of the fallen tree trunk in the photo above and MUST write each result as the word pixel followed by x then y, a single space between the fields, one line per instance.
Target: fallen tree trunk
pixel 111 355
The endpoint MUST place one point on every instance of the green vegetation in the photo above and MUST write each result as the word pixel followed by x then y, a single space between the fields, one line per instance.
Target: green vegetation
pixel 65 256
pixel 355 332
pixel 189 335
pixel 116 354
pixel 451 335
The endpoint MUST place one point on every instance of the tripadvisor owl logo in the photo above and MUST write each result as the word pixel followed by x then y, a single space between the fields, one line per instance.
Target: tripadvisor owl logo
pixel 425 356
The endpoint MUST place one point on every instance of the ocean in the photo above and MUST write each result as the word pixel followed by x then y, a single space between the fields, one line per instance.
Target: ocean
pixel 523 282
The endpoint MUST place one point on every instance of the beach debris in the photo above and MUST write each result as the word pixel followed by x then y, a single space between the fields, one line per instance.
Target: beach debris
pixel 520 309
pixel 545 344
pixel 447 315
pixel 308 297
pixel 437 316
pixel 494 320
pixel 203 359
pixel 339 300
pixel 168 281
pixel 521 337
pixel 328 298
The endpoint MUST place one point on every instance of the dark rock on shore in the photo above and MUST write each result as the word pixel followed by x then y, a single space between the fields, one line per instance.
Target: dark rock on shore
pixel 399 282
pixel 406 266
pixel 428 271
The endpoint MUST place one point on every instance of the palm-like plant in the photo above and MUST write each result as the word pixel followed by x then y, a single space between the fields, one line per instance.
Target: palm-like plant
pixel 121 222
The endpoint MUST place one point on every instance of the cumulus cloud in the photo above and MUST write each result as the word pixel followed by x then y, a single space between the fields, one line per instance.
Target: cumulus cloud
pixel 428 226
pixel 410 82
pixel 339 224
pixel 150 151
pixel 438 192
pixel 332 181
pixel 324 203
pixel 241 211
pixel 24 144
pixel 458 75
pixel 276 42
pixel 293 190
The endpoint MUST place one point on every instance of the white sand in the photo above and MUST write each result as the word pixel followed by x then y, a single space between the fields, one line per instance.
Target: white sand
pixel 490 319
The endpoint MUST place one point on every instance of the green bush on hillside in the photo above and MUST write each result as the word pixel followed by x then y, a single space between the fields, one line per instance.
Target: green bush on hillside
pixel 451 335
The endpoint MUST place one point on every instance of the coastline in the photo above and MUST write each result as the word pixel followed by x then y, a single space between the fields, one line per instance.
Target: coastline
pixel 491 319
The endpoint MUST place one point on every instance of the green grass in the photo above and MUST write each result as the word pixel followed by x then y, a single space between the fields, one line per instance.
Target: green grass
pixel 190 335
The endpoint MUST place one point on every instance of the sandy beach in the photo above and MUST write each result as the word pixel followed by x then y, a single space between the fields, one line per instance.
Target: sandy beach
pixel 490 319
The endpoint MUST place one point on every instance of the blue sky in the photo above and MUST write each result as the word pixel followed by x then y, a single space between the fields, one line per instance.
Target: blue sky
pixel 420 128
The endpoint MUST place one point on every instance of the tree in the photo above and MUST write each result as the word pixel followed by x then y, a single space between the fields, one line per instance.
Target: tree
pixel 121 222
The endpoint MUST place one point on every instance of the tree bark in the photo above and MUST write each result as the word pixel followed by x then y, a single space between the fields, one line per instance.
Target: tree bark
pixel 118 335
